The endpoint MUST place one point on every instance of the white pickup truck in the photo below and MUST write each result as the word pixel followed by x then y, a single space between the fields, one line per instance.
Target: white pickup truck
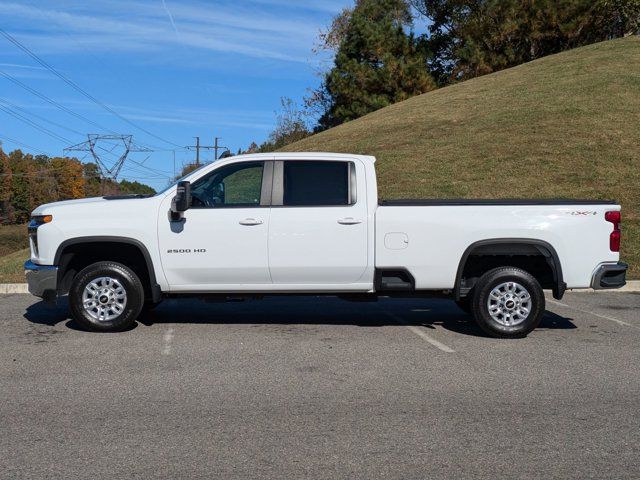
pixel 292 223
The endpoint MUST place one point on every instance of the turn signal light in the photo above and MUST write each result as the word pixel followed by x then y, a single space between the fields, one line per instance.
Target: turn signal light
pixel 38 220
pixel 614 238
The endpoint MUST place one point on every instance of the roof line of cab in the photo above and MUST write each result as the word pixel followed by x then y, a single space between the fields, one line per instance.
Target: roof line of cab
pixel 301 156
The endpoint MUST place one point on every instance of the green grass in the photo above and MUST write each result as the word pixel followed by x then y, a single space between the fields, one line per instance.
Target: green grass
pixel 11 267
pixel 567 125
pixel 13 253
pixel 12 238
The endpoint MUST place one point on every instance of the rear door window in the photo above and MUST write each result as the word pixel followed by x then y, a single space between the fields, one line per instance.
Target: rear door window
pixel 318 183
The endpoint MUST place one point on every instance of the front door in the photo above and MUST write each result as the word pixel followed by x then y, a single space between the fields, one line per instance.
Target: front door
pixel 221 244
pixel 318 228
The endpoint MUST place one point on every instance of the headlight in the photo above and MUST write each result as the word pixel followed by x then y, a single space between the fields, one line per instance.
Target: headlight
pixel 36 221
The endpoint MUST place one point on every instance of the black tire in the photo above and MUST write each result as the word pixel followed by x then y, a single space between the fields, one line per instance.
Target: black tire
pixel 517 280
pixel 125 279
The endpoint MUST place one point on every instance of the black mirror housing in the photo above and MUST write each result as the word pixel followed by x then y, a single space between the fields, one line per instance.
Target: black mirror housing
pixel 182 200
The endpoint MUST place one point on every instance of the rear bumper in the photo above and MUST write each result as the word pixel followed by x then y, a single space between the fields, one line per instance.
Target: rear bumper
pixel 42 280
pixel 609 275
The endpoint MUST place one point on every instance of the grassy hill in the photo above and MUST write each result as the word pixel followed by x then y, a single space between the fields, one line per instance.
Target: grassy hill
pixel 567 125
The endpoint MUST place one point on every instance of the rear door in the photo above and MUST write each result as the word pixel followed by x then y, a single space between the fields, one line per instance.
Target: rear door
pixel 318 227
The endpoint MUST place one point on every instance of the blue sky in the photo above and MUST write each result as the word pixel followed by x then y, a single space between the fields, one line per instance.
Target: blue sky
pixel 175 68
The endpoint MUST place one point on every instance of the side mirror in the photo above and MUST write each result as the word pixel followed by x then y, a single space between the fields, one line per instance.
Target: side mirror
pixel 183 197
pixel 182 201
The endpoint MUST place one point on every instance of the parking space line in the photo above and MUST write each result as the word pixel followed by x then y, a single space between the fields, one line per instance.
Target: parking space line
pixel 168 337
pixel 422 334
pixel 604 317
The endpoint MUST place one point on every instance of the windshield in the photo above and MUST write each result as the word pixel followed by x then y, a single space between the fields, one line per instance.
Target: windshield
pixel 173 184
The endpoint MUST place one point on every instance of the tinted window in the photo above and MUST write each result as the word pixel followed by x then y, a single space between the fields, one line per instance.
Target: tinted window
pixel 316 183
pixel 235 185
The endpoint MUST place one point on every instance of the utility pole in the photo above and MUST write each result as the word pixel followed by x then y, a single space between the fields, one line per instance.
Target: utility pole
pixel 215 147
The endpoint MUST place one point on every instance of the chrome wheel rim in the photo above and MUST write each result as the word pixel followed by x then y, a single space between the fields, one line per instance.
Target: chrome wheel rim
pixel 104 299
pixel 509 304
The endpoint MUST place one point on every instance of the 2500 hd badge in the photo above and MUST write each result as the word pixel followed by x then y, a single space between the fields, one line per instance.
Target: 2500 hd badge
pixel 187 250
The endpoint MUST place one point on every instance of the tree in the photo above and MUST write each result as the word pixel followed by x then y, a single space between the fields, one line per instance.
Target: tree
pixel 377 62
pixel 617 18
pixel 92 180
pixel 6 184
pixel 291 126
pixel 135 187
pixel 69 175
pixel 22 169
pixel 468 38
pixel 43 186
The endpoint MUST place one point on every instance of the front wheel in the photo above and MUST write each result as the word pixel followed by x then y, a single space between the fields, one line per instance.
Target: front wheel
pixel 106 297
pixel 508 302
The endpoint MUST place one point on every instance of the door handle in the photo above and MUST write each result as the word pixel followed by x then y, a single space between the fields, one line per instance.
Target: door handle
pixel 250 222
pixel 349 221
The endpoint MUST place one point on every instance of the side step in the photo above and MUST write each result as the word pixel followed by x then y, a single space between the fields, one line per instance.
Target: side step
pixel 394 280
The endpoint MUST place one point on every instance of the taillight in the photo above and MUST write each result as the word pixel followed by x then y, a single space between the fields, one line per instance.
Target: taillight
pixel 614 238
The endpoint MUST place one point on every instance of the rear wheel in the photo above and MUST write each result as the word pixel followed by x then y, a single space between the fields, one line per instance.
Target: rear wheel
pixel 508 302
pixel 106 297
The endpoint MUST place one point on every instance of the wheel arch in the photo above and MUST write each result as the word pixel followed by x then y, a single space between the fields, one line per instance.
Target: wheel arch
pixel 504 246
pixel 63 258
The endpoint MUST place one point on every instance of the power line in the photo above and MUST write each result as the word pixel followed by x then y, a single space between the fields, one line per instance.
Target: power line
pixel 40 175
pixel 44 130
pixel 160 172
pixel 60 138
pixel 66 110
pixel 18 142
pixel 157 176
pixel 30 113
pixel 80 90
pixel 90 146
pixel 53 102
pixel 215 147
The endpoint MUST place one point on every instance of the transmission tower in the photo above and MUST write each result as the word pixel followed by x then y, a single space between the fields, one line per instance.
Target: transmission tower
pixel 107 169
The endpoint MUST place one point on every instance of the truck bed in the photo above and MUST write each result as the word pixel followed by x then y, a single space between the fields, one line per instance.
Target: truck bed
pixel 424 236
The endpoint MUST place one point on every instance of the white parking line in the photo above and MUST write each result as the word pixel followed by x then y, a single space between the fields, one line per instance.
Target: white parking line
pixel 168 337
pixel 422 334
pixel 604 317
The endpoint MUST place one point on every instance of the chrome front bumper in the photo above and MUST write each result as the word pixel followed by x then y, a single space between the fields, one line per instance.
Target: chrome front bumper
pixel 42 280
pixel 610 275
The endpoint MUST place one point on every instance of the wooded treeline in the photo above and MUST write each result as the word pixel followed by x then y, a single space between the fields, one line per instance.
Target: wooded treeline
pixel 379 59
pixel 27 181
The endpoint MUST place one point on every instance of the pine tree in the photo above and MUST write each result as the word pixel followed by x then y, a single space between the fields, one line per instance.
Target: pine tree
pixel 377 62
pixel 468 38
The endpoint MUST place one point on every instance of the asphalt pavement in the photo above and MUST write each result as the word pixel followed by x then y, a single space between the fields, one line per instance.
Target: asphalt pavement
pixel 321 388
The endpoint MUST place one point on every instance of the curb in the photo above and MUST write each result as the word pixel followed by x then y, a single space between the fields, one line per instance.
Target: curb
pixel 12 288
pixel 631 286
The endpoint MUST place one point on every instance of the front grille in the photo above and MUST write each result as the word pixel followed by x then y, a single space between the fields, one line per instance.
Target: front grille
pixel 33 238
